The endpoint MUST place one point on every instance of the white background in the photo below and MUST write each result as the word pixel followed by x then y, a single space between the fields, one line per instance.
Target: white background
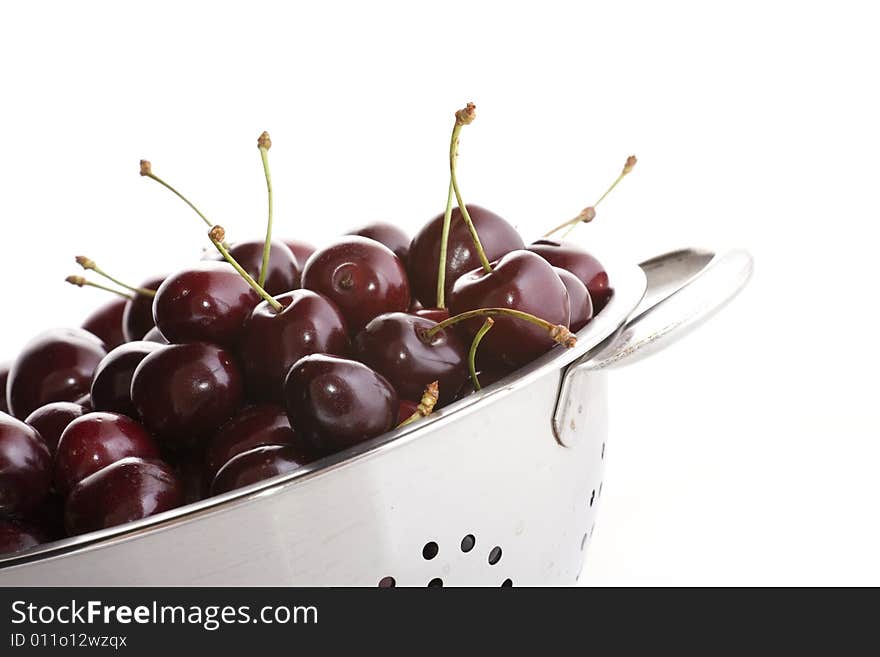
pixel 746 454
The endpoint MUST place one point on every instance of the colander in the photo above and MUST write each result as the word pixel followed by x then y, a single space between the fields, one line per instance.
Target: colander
pixel 498 489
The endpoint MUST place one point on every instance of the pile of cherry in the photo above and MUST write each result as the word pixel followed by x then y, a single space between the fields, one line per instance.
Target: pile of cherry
pixel 266 355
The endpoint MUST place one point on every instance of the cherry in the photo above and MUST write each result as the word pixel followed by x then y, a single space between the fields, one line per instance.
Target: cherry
pixel 184 392
pixel 138 316
pixel 487 376
pixel 51 420
pixel 15 537
pixel 190 468
pixel 302 251
pixel 96 440
pixel 111 384
pixel 255 426
pixel 523 281
pixel 405 409
pixel 25 467
pixel 260 463
pixel 86 402
pixel 497 236
pixel 106 323
pixel 579 299
pixel 127 490
pixel 388 234
pixel 579 262
pixel 4 375
pixel 434 314
pixel 361 276
pixel 57 365
pixel 273 341
pixel 284 271
pixel 48 518
pixel 395 345
pixel 155 335
pixel 335 403
pixel 208 302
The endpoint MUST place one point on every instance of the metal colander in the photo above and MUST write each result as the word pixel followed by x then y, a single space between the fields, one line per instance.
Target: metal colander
pixel 499 489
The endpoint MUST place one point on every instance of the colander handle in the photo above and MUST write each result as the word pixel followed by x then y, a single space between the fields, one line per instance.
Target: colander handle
pixel 685 288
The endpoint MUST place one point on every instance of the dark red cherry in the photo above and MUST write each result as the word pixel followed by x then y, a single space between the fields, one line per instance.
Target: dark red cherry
pixel 579 262
pixel 335 403
pixel 496 235
pixel 111 385
pixel 260 463
pixel 137 318
pixel 520 280
pixel 578 298
pixel 16 536
pixel 25 467
pixel 106 323
pixel 155 335
pixel 96 440
pixel 255 426
pixel 86 402
pixel 55 366
pixel 284 270
pixel 48 518
pixel 190 468
pixel 301 251
pixel 487 376
pixel 388 234
pixel 127 490
pixel 434 314
pixel 395 345
pixel 185 392
pixel 405 409
pixel 51 420
pixel 272 342
pixel 361 276
pixel 4 375
pixel 207 302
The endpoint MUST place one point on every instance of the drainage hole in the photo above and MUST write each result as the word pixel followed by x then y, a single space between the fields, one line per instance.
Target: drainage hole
pixel 495 555
pixel 435 583
pixel 430 550
pixel 387 582
pixel 506 583
pixel 468 543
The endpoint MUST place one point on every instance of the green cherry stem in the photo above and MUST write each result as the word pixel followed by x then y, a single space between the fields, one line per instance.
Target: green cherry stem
pixel 558 332
pixel 79 281
pixel 147 171
pixel 588 214
pixel 472 355
pixel 465 117
pixel 217 235
pixel 89 265
pixel 426 405
pixel 264 144
pixel 444 243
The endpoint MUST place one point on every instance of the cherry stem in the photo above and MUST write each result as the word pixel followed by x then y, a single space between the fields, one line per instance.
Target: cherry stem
pixel 444 243
pixel 426 405
pixel 79 281
pixel 589 213
pixel 147 170
pixel 217 235
pixel 89 265
pixel 464 117
pixel 264 144
pixel 558 332
pixel 472 356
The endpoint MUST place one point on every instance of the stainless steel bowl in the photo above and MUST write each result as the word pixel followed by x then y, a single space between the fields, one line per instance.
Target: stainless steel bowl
pixel 499 488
